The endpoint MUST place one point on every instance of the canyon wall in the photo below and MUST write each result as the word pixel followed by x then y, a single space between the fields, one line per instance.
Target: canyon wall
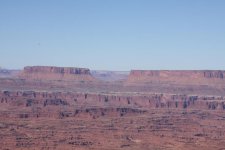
pixel 177 76
pixel 56 73
pixel 43 104
pixel 45 109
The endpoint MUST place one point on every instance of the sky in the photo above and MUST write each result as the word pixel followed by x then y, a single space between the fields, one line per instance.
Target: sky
pixel 113 34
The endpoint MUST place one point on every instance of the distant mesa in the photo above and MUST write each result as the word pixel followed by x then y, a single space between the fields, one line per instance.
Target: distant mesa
pixel 177 76
pixel 56 73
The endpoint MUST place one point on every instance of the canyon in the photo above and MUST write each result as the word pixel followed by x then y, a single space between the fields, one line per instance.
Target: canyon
pixel 47 107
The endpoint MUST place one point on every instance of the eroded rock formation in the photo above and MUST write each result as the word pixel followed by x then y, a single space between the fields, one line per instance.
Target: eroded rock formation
pixel 45 109
pixel 73 120
pixel 56 73
pixel 177 76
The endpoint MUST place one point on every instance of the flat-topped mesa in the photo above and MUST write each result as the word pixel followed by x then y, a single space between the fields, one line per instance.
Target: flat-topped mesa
pixel 177 76
pixel 56 73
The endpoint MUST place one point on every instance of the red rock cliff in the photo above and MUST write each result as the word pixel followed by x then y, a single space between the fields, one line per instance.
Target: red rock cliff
pixel 178 76
pixel 56 73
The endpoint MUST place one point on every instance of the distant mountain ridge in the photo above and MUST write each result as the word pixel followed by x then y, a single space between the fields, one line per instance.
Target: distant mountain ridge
pixel 4 73
pixel 201 77
pixel 110 75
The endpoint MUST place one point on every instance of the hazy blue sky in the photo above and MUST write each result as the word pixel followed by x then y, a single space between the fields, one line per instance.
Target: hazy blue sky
pixel 113 34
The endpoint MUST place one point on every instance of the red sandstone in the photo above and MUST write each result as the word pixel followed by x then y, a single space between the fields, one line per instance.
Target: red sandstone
pixel 67 108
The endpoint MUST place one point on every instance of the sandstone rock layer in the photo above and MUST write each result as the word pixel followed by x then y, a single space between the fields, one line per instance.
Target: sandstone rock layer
pixel 177 76
pixel 50 108
pixel 56 73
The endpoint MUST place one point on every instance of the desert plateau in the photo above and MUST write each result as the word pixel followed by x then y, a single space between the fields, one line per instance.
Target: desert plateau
pixel 112 74
pixel 45 107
